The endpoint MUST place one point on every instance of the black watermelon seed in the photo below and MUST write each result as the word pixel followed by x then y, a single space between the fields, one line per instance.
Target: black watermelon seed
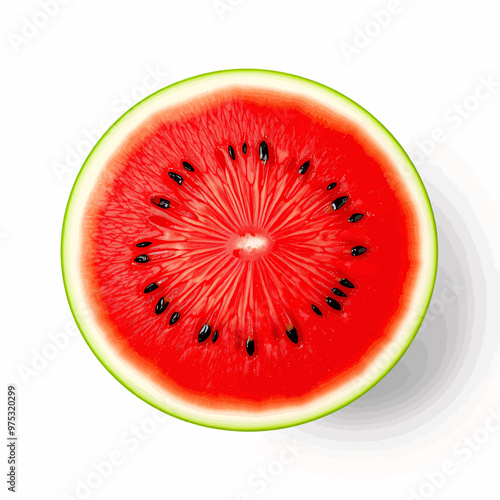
pixel 250 345
pixel 188 166
pixel 292 335
pixel 333 303
pixel 143 244
pixel 331 186
pixel 304 167
pixel 174 318
pixel 230 150
pixel 358 250
pixel 263 152
pixel 160 202
pixel 161 306
pixel 150 288
pixel 316 310
pixel 176 177
pixel 204 333
pixel 244 148
pixel 141 259
pixel 338 292
pixel 355 217
pixel 339 202
pixel 345 282
pixel 215 336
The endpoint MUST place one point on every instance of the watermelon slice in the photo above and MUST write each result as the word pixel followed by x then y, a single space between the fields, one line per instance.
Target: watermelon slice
pixel 248 250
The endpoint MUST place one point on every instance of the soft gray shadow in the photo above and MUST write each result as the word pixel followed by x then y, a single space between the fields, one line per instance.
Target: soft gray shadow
pixel 442 366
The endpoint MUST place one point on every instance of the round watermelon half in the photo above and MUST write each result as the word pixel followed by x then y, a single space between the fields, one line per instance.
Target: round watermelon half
pixel 248 250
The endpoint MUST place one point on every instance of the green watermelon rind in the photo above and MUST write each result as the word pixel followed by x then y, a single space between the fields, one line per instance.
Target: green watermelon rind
pixel 425 299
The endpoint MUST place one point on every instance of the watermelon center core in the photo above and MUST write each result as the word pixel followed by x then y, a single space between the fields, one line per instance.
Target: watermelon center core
pixel 250 245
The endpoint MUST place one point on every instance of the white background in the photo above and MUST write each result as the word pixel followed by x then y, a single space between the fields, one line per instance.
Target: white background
pixel 87 62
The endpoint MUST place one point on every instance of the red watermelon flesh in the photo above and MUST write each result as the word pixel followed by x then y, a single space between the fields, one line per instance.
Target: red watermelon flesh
pixel 249 251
